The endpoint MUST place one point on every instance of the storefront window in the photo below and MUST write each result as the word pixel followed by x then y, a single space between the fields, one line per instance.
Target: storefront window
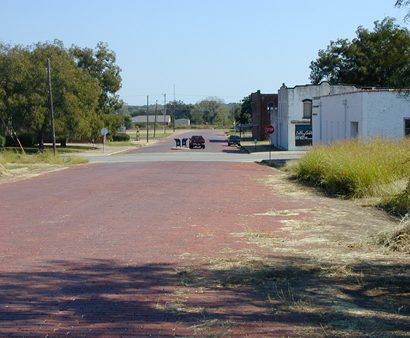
pixel 303 135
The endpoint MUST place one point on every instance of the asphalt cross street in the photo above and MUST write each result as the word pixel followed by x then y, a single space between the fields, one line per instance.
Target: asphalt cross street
pixel 216 150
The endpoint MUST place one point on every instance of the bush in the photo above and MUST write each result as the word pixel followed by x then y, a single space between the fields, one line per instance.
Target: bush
pixel 121 137
pixel 2 141
pixel 26 140
pixel 356 168
pixel 399 204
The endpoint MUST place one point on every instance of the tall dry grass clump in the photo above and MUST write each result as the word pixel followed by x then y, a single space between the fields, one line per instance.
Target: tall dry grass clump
pixel 7 157
pixel 357 168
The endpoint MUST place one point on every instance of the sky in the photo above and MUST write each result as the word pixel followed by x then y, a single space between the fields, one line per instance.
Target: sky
pixel 195 49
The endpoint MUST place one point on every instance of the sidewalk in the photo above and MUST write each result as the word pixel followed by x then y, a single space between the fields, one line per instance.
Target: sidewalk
pixel 112 150
pixel 107 150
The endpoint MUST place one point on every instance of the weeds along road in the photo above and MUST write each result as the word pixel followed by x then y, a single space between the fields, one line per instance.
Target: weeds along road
pixel 176 247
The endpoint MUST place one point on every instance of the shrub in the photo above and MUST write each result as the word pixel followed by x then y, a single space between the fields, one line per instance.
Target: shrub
pixel 2 141
pixel 399 204
pixel 121 137
pixel 26 140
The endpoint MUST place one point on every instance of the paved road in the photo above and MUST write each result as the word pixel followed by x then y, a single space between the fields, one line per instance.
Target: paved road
pixel 105 248
pixel 216 150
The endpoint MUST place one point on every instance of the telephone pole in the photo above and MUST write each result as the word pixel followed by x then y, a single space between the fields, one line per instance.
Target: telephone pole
pixel 147 120
pixel 155 120
pixel 165 109
pixel 173 106
pixel 50 95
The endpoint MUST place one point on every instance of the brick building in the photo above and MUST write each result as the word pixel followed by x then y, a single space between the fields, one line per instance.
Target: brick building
pixel 262 106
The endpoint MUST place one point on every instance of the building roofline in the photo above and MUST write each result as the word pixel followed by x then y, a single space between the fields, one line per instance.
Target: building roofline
pixel 319 84
pixel 258 92
pixel 377 90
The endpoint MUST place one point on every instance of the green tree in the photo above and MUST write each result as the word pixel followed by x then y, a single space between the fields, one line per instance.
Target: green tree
pixel 244 114
pixel 24 92
pixel 403 3
pixel 113 123
pixel 100 64
pixel 75 93
pixel 16 92
pixel 210 108
pixel 180 109
pixel 374 58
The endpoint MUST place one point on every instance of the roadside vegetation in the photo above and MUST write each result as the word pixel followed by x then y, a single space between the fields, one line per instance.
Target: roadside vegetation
pixel 13 157
pixel 14 164
pixel 376 168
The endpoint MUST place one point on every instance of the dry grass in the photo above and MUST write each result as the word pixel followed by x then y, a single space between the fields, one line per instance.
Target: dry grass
pixel 46 157
pixel 357 168
pixel 14 165
pixel 213 328
pixel 397 240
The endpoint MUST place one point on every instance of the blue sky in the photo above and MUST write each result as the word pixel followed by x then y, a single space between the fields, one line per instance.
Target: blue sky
pixel 223 48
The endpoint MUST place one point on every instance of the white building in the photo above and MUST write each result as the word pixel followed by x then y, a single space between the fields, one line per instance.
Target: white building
pixel 292 119
pixel 160 119
pixel 361 114
pixel 182 122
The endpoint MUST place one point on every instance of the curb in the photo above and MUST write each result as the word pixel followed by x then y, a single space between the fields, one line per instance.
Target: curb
pixel 119 151
pixel 244 149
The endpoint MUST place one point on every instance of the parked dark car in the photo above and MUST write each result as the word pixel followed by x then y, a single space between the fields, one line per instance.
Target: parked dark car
pixel 234 139
pixel 196 141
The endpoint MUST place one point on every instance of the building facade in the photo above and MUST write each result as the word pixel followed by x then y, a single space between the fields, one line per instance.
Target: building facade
pixel 160 119
pixel 262 105
pixel 182 122
pixel 361 114
pixel 293 118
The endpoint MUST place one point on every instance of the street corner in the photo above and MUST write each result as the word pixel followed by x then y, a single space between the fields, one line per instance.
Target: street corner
pixel 181 148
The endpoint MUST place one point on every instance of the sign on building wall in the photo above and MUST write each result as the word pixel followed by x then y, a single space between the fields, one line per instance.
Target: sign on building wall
pixel 303 135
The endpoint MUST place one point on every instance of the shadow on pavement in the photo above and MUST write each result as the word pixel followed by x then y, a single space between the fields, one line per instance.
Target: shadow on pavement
pixel 259 148
pixel 217 141
pixel 232 150
pixel 106 298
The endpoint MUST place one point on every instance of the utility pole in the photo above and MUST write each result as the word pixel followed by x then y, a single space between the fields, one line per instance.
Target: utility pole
pixel 173 106
pixel 50 95
pixel 147 119
pixel 155 120
pixel 165 109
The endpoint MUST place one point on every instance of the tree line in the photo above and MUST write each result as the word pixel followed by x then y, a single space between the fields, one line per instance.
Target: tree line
pixel 210 111
pixel 85 83
pixel 378 58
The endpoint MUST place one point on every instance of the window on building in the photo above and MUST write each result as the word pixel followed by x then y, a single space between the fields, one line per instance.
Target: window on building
pixel 270 107
pixel 407 127
pixel 307 109
pixel 354 129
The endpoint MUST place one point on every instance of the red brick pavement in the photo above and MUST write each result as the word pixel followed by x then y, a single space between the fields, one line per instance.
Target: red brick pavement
pixel 95 250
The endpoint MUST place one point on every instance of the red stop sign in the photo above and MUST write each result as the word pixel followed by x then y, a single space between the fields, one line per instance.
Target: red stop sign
pixel 269 129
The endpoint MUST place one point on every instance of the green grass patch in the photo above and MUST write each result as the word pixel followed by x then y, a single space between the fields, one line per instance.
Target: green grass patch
pixel 357 168
pixel 142 134
pixel 398 204
pixel 121 144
